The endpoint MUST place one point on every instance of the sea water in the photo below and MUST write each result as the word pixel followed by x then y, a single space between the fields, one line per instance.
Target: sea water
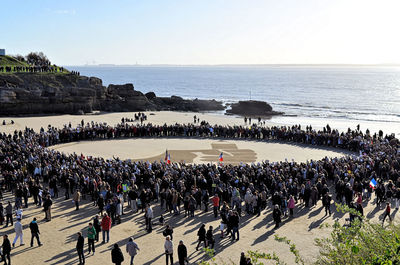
pixel 342 96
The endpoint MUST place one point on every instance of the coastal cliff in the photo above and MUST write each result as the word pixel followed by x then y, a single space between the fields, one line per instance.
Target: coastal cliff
pixel 49 93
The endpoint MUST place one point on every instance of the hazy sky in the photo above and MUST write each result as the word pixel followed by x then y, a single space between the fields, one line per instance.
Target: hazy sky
pixel 76 32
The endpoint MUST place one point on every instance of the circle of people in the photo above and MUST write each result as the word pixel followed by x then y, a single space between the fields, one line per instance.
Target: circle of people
pixel 31 170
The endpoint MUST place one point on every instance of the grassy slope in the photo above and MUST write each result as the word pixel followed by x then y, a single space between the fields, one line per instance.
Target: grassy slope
pixel 10 61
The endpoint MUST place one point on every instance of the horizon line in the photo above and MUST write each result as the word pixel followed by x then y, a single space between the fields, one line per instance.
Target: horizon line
pixel 283 64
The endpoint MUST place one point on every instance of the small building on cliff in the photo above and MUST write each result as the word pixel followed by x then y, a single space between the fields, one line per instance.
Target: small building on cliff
pixel 3 52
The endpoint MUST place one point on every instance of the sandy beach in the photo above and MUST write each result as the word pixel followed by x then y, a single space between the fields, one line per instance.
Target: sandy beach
pixel 198 150
pixel 257 233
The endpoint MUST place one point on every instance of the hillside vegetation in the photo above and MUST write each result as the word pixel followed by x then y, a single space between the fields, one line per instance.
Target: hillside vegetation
pixel 9 61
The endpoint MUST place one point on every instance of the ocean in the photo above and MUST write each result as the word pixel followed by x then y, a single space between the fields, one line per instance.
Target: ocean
pixel 339 95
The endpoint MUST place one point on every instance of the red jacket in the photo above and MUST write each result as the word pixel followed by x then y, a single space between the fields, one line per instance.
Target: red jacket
pixel 106 223
pixel 215 201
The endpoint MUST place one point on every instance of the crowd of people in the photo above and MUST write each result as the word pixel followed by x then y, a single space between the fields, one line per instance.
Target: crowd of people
pixel 30 169
pixel 32 69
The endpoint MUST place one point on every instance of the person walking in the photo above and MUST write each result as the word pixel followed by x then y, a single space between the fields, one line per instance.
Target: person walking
pixel 77 199
pixel 202 236
pixel 169 250
pixel 18 233
pixel 91 235
pixel 34 227
pixel 387 213
pixel 9 214
pixel 182 253
pixel 79 248
pixel 132 249
pixel 116 255
pixel 210 237
pixel 6 249
pixel 105 227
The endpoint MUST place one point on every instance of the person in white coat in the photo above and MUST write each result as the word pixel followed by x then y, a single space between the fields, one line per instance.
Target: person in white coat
pixel 18 233
pixel 169 250
pixel 149 216
pixel 132 249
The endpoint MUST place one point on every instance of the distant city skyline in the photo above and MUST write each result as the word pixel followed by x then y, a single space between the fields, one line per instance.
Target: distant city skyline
pixel 206 32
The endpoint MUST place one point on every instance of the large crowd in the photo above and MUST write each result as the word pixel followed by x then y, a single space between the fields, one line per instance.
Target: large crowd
pixel 30 169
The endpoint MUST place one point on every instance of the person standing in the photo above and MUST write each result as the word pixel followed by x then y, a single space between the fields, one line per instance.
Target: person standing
pixel 182 253
pixel 79 248
pixel 97 227
pixel 77 199
pixel 34 232
pixel 100 204
pixel 234 220
pixel 116 255
pixel 276 214
pixel 168 232
pixel 243 259
pixel 105 227
pixel 47 207
pixel 6 248
pixel 132 194
pixel 149 216
pixel 202 236
pixel 215 201
pixel 169 250
pixel 1 214
pixel 91 235
pixel 132 249
pixel 291 205
pixel 18 233
pixel 9 214
pixel 326 201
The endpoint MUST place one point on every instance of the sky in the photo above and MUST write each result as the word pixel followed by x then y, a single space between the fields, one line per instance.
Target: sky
pixel 197 32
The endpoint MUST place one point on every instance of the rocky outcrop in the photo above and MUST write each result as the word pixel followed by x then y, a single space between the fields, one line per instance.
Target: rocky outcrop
pixel 176 103
pixel 28 93
pixel 252 108
pixel 48 93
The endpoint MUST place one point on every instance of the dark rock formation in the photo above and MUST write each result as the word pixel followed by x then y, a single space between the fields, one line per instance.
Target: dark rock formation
pixel 47 93
pixel 252 108
pixel 179 104
pixel 150 95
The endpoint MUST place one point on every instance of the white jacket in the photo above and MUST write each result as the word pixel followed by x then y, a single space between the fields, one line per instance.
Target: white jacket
pixel 18 227
pixel 149 213
pixel 169 246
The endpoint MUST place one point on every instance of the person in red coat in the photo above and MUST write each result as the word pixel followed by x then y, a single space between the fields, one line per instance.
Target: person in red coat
pixel 105 227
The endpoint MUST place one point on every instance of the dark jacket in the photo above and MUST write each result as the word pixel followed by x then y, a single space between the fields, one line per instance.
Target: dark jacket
pixel 116 255
pixel 47 204
pixel 276 214
pixel 210 236
pixel 34 227
pixel 6 246
pixel 202 234
pixel 182 252
pixel 80 243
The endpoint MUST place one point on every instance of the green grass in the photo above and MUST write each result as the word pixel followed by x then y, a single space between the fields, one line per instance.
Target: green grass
pixel 8 61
